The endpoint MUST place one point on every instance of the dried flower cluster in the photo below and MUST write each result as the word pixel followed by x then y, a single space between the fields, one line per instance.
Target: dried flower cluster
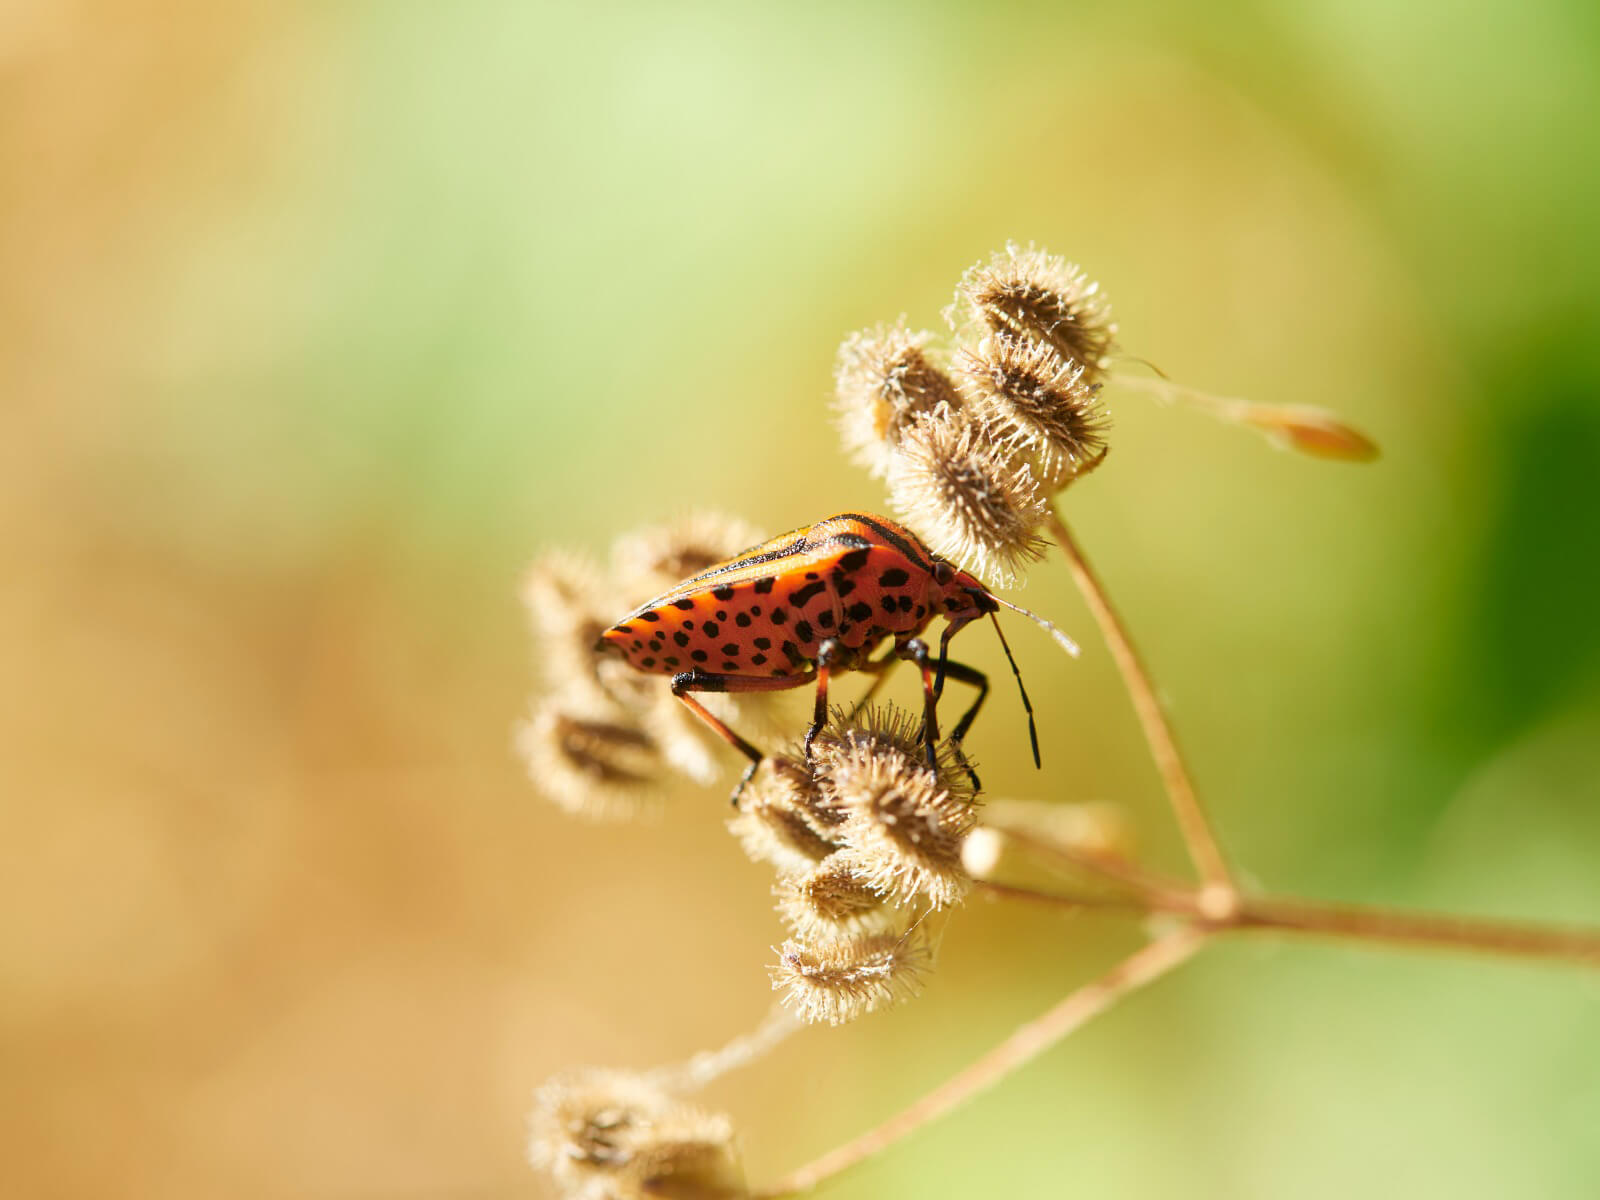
pixel 611 1135
pixel 604 737
pixel 972 454
pixel 866 840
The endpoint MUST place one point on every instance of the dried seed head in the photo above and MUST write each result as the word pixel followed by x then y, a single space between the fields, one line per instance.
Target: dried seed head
pixel 884 380
pixel 1037 402
pixel 610 1135
pixel 648 562
pixel 831 901
pixel 904 822
pixel 1033 294
pixel 969 498
pixel 601 769
pixel 783 819
pixel 839 980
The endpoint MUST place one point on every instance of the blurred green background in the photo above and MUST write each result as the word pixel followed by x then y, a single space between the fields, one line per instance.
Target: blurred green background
pixel 321 320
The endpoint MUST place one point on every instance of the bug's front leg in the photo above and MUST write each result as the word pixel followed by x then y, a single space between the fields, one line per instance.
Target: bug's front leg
pixel 685 683
pixel 917 651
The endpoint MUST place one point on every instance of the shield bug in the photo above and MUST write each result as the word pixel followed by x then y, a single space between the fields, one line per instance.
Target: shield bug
pixel 808 605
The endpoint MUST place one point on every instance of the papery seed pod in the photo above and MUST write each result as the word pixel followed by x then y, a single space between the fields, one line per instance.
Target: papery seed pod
pixel 611 1135
pixel 885 379
pixel 1310 430
pixel 606 770
pixel 831 900
pixel 1032 294
pixel 1036 402
pixel 969 498
pixel 842 979
pixel 566 598
pixel 647 562
pixel 783 819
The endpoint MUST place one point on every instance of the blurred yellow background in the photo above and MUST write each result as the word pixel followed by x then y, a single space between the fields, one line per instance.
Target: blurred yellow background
pixel 320 321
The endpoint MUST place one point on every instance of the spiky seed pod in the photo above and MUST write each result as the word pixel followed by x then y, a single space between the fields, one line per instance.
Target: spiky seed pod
pixel 904 822
pixel 783 819
pixel 969 498
pixel 842 979
pixel 1031 293
pixel 885 379
pixel 831 900
pixel 647 562
pixel 603 770
pixel 1037 402
pixel 610 1135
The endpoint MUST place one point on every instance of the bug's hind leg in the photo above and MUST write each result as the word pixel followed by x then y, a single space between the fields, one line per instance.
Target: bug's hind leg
pixel 685 683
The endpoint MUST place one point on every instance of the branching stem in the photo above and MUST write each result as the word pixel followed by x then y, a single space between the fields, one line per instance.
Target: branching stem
pixel 1024 1045
pixel 1220 893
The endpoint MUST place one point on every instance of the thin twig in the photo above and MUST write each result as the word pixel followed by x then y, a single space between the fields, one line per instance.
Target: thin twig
pixel 1221 894
pixel 1434 930
pixel 1029 1041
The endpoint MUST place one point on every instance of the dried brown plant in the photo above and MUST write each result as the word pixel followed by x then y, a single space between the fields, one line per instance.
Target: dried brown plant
pixel 867 839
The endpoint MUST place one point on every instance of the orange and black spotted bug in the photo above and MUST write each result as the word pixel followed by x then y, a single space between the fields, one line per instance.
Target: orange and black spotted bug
pixel 810 604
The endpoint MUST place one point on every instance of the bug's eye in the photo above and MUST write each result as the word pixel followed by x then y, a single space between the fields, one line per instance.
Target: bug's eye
pixel 942 571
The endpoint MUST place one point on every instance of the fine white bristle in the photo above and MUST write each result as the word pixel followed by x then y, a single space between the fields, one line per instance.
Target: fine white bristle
pixel 1062 640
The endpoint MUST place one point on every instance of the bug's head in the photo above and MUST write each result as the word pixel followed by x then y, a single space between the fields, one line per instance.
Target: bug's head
pixel 959 593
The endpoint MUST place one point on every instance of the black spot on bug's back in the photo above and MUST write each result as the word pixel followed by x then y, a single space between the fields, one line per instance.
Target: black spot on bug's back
pixel 800 597
pixel 792 653
pixel 893 577
pixel 731 649
pixel 655 644
pixel 763 586
pixel 763 643
pixel 859 611
pixel 812 575
pixel 699 655
pixel 709 628
pixel 779 616
pixel 854 560
pixel 722 593
pixel 647 662
pixel 888 603
pixel 729 666
pixel 650 616
pixel 759 660
pixel 671 660
pixel 688 624
pixel 905 606
pixel 686 605
pixel 681 638
pixel 803 631
pixel 622 629
pixel 825 619
pixel 742 620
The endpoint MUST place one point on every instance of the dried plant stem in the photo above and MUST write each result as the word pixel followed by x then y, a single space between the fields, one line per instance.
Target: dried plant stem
pixel 1356 923
pixel 707 1065
pixel 1026 1044
pixel 1220 894
pixel 1432 930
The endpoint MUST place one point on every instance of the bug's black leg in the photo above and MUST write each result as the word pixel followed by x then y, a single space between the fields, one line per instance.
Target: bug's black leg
pixel 950 630
pixel 965 674
pixel 828 656
pixel 917 651
pixel 686 682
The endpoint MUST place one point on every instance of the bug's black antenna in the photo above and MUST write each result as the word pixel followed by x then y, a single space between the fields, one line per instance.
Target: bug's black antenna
pixel 1033 732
